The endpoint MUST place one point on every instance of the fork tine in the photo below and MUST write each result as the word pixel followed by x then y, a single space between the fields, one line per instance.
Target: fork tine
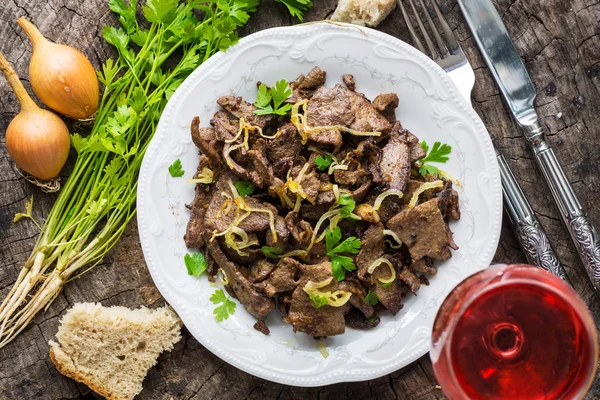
pixel 413 35
pixel 430 45
pixel 450 38
pixel 434 29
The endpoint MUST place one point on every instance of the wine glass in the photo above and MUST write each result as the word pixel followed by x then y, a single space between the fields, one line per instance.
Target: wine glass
pixel 514 332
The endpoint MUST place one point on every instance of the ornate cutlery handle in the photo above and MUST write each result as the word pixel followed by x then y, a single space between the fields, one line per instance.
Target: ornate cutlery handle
pixel 582 232
pixel 530 233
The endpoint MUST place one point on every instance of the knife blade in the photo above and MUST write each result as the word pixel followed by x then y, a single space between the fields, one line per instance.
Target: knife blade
pixel 518 91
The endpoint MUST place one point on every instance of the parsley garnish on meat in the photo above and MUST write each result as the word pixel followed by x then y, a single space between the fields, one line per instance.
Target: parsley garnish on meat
pixel 323 163
pixel 226 308
pixel 244 188
pixel 318 300
pixel 297 7
pixel 371 298
pixel 340 264
pixel 195 264
pixel 175 169
pixel 439 154
pixel 347 204
pixel 270 100
pixel 271 252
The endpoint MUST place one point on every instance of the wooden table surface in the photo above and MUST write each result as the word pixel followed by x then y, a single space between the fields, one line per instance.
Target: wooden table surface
pixel 559 41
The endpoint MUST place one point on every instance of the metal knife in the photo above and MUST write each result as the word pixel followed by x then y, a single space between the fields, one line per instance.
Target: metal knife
pixel 510 74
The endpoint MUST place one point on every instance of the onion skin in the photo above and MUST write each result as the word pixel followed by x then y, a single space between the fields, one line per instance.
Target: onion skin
pixel 61 76
pixel 37 140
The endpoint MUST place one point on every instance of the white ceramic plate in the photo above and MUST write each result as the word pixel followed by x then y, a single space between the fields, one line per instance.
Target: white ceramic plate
pixel 430 106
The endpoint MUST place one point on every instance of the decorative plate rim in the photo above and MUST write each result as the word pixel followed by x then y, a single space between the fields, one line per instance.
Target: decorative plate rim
pixel 343 374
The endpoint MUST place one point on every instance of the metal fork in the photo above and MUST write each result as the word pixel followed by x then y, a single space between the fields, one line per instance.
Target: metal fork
pixel 449 55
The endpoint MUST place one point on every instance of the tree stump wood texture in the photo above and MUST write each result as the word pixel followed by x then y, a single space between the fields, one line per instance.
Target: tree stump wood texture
pixel 559 41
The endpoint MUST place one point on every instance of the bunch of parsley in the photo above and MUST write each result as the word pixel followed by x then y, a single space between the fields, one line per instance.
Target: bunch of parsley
pixel 98 200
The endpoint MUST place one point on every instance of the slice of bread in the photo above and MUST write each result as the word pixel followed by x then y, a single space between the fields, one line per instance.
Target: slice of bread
pixel 111 349
pixel 363 12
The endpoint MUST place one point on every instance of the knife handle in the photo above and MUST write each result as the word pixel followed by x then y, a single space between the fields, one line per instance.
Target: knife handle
pixel 530 233
pixel 577 223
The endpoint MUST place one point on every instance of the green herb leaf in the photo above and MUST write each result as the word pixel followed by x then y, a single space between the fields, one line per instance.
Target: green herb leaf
pixel 160 11
pixel 270 101
pixel 323 163
pixel 196 264
pixel 439 153
pixel 318 300
pixel 297 7
pixel 264 96
pixel 348 204
pixel 341 264
pixel 27 213
pixel 175 169
pixel 271 252
pixel 244 188
pixel 226 308
pixel 371 298
pixel 388 284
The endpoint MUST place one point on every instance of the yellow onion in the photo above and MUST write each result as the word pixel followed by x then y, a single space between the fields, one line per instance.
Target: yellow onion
pixel 36 139
pixel 61 76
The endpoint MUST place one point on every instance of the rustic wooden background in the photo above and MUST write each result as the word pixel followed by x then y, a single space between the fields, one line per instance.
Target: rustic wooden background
pixel 559 40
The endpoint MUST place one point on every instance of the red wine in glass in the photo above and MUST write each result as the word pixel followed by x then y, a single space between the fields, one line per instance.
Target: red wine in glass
pixel 514 332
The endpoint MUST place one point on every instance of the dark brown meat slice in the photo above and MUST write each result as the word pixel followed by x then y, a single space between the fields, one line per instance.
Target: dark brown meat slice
pixel 356 320
pixel 256 304
pixel 449 202
pixel 304 317
pixel 423 266
pixel 348 177
pixel 360 193
pixel 423 230
pixel 225 129
pixel 313 212
pixel 208 148
pixel 341 106
pixel 349 82
pixel 260 270
pixel 310 183
pixel 285 146
pixel 283 234
pixel 390 296
pixel 201 135
pixel 252 253
pixel 358 296
pixel 332 139
pixel 315 78
pixel 410 279
pixel 195 228
pixel 242 109
pixel 211 265
pixel 260 170
pixel 395 161
pixel 386 104
pixel 281 279
pixel 216 219
pixel 262 327
pixel 416 151
pixel 372 248
pixel 300 230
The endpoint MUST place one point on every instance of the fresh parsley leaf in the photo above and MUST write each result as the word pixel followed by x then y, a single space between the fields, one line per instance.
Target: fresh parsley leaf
pixel 244 188
pixel 348 204
pixel 270 100
pixel 297 7
pixel 323 163
pixel 371 320
pixel 175 169
pixel 263 97
pixel 195 263
pixel 226 308
pixel 371 298
pixel 318 300
pixel 271 252
pixel 439 154
pixel 340 264
pixel 387 284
